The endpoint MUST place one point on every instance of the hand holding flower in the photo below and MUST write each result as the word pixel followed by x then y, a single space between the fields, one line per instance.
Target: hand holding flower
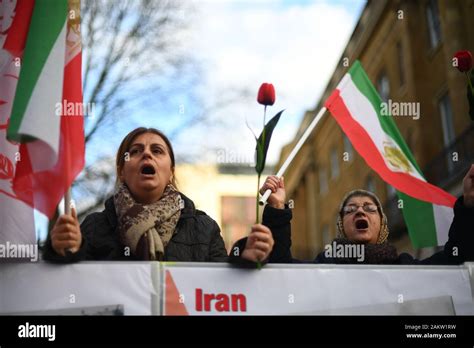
pixel 259 244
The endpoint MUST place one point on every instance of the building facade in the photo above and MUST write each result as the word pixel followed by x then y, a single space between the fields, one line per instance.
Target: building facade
pixel 406 48
pixel 226 192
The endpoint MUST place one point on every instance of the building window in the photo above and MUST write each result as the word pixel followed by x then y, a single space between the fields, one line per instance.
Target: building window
pixel 370 184
pixel 383 86
pixel 323 181
pixel 237 214
pixel 326 235
pixel 401 65
pixel 446 113
pixel 334 164
pixel 434 25
pixel 348 150
pixel 391 192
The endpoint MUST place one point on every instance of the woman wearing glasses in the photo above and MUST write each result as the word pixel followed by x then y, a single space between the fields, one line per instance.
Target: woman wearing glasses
pixel 361 223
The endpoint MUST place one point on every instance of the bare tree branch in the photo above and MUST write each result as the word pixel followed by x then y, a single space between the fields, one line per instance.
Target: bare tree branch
pixel 126 46
pixel 135 59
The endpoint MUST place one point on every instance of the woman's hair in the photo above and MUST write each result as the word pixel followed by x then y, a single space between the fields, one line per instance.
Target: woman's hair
pixel 127 142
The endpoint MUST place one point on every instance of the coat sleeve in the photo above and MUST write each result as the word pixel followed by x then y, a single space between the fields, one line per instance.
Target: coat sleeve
pixel 217 252
pixel 83 253
pixel 460 245
pixel 279 222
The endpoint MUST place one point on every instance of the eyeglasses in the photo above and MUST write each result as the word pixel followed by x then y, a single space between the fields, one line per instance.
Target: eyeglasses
pixel 352 208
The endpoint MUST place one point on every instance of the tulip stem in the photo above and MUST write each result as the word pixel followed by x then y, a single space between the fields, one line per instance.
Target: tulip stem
pixel 259 264
pixel 469 82
pixel 262 148
pixel 258 196
pixel 264 115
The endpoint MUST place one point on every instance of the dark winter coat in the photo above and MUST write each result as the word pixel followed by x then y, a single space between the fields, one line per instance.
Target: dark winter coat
pixel 197 239
pixel 458 249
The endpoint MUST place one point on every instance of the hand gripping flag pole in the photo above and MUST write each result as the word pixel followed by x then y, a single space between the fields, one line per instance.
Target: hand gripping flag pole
pixel 293 152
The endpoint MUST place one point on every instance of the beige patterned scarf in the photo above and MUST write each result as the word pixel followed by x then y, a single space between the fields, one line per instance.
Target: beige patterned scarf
pixel 147 228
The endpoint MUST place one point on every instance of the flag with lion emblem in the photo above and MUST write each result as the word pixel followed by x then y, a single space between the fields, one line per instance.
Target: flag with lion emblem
pixel 356 106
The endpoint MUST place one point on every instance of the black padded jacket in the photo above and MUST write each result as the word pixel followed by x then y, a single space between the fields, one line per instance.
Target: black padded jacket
pixel 197 239
pixel 458 249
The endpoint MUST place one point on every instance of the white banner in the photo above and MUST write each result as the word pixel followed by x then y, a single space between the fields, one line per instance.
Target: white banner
pixel 207 289
pixel 82 288
pixel 144 288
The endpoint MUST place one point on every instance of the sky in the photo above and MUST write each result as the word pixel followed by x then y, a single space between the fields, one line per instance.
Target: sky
pixel 295 45
pixel 237 45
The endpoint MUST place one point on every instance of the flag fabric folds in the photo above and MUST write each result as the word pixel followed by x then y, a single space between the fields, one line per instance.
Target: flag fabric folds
pixel 52 140
pixel 41 58
pixel 16 215
pixel 356 106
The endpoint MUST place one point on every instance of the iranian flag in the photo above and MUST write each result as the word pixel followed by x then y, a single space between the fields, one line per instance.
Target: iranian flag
pixel 16 215
pixel 356 105
pixel 50 138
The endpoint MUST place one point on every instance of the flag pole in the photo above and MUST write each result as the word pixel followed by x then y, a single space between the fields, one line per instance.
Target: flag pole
pixel 67 202
pixel 67 211
pixel 293 152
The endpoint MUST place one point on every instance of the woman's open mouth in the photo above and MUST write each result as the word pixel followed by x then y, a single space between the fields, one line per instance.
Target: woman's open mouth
pixel 148 170
pixel 361 224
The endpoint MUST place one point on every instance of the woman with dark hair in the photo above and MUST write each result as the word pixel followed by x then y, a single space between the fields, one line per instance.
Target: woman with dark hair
pixel 147 218
pixel 362 226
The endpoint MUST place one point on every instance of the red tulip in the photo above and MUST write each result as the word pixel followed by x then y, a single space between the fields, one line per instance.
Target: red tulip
pixel 266 94
pixel 464 59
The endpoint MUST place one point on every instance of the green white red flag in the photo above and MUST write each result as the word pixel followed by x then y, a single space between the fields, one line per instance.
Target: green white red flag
pixel 356 106
pixel 44 37
pixel 16 215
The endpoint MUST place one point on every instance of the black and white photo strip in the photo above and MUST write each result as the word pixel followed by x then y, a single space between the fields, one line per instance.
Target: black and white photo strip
pixel 182 171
